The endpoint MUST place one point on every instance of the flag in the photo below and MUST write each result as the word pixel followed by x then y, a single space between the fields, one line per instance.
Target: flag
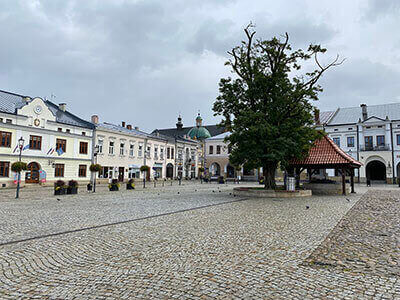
pixel 26 147
pixel 51 150
pixel 60 151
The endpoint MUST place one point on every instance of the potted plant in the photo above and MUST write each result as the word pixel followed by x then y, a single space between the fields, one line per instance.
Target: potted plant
pixel 72 187
pixel 130 185
pixel 59 187
pixel 114 185
pixel 221 179
pixel 18 166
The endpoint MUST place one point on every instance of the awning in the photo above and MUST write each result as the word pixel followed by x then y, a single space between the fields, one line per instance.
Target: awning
pixel 157 165
pixel 134 167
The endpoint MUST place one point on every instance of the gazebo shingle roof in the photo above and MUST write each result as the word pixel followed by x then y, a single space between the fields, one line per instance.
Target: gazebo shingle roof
pixel 326 153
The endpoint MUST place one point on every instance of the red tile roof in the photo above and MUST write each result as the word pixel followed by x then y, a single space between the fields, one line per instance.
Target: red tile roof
pixel 326 153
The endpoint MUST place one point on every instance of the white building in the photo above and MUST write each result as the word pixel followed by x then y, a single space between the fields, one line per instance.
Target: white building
pixel 122 150
pixel 57 144
pixel 370 134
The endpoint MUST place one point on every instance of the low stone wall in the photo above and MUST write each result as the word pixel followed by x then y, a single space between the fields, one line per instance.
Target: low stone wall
pixel 260 193
pixel 326 188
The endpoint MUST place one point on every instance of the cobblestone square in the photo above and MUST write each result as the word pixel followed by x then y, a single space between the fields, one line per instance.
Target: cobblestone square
pixel 185 242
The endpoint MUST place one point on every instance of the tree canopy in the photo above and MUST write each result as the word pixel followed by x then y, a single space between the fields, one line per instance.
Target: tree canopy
pixel 267 108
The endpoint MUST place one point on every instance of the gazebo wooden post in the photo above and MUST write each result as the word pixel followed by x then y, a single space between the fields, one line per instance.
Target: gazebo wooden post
pixel 343 181
pixel 352 180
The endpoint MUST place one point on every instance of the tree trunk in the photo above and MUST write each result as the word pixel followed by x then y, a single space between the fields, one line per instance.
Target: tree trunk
pixel 269 170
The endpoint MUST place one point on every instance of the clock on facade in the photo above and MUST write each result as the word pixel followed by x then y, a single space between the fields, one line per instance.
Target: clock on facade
pixel 38 109
pixel 36 122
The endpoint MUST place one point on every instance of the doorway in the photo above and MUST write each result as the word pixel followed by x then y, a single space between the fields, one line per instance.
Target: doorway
pixel 376 170
pixel 32 173
pixel 121 171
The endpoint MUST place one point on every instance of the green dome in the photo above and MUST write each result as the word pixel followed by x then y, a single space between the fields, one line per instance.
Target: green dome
pixel 199 133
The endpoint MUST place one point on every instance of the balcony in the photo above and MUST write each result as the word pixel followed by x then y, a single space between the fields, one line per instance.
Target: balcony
pixel 375 148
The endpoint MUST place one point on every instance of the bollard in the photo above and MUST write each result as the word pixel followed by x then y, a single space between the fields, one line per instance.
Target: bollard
pixel 144 183
pixel 154 183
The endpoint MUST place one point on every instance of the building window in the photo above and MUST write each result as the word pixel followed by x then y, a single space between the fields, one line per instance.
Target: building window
pixel 4 168
pixel 335 129
pixel 111 148
pixel 140 150
pixel 35 142
pixel 368 142
pixel 68 131
pixel 155 152
pixel 83 148
pixel 59 170
pixel 59 129
pixel 122 149
pixel 380 140
pixel 60 143
pixel 100 144
pixel 8 121
pixel 336 141
pixel 5 139
pixel 172 153
pixel 148 151
pixel 218 149
pixel 83 133
pixel 131 149
pixel 398 139
pixel 350 141
pixel 350 128
pixel 162 153
pixel 82 171
pixel 211 150
pixel 168 153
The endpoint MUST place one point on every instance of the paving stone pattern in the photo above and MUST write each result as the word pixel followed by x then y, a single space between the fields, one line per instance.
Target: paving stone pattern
pixel 366 240
pixel 251 249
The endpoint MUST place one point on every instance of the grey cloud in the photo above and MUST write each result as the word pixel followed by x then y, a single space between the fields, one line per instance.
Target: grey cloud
pixel 359 81
pixel 380 8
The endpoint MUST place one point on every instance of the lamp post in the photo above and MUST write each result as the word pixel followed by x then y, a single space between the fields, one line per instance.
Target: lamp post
pixel 21 142
pixel 96 151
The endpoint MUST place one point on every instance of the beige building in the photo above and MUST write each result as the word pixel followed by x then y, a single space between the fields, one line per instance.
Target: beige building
pixel 122 150
pixel 217 160
pixel 57 145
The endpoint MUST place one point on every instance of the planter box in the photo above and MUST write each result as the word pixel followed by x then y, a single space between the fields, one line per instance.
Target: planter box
pixel 114 188
pixel 72 190
pixel 261 193
pixel 129 186
pixel 60 191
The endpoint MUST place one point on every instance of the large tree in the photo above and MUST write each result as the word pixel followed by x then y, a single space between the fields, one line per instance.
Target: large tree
pixel 267 105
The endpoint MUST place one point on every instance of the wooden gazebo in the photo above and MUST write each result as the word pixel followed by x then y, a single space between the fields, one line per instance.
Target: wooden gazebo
pixel 325 154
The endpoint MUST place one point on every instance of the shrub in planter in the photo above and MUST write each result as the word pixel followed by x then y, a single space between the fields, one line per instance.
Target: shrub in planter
pixel 72 187
pixel 19 166
pixel 130 185
pixel 59 187
pixel 221 179
pixel 114 185
pixel 95 168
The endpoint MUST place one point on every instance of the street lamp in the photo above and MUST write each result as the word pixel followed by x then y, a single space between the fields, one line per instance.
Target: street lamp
pixel 21 142
pixel 96 151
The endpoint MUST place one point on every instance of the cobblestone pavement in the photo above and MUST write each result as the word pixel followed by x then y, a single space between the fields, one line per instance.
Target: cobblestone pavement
pixel 366 240
pixel 247 249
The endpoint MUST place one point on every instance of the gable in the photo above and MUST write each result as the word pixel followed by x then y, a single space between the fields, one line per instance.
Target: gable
pixel 373 119
pixel 37 113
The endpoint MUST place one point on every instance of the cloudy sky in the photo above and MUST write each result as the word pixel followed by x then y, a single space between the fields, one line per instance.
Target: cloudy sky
pixel 145 61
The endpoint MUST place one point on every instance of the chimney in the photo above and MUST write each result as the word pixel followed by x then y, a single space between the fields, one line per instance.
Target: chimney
pixel 179 124
pixel 316 116
pixel 62 106
pixel 123 124
pixel 129 126
pixel 136 128
pixel 364 111
pixel 95 119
